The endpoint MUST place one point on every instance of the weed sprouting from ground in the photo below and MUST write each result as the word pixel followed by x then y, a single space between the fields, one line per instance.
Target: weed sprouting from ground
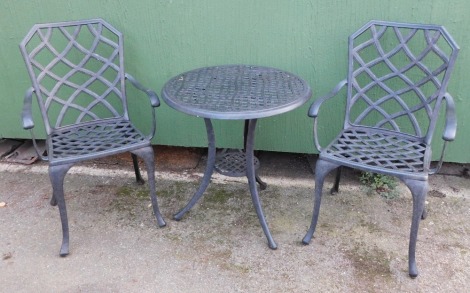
pixel 385 186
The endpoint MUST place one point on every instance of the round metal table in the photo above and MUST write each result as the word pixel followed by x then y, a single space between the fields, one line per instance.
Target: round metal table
pixel 235 92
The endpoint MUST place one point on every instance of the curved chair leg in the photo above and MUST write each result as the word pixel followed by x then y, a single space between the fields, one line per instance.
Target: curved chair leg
pixel 138 176
pixel 57 175
pixel 335 188
pixel 418 190
pixel 322 169
pixel 147 155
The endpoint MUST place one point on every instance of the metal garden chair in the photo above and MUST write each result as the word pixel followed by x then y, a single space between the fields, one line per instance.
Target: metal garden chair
pixel 397 79
pixel 77 74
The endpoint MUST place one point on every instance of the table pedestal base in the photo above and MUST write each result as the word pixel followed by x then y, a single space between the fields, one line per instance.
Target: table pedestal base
pixel 250 172
pixel 232 163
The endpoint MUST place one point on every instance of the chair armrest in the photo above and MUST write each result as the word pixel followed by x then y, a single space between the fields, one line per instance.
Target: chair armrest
pixel 315 107
pixel 451 121
pixel 449 130
pixel 154 100
pixel 27 118
pixel 27 114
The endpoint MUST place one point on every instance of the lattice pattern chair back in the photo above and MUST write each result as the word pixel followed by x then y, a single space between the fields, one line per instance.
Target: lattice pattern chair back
pixel 77 71
pixel 398 74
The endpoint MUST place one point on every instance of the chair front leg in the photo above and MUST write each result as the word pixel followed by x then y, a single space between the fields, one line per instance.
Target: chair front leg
pixel 57 175
pixel 419 189
pixel 322 169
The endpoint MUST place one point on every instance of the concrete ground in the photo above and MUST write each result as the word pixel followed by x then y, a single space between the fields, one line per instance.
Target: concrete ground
pixel 360 245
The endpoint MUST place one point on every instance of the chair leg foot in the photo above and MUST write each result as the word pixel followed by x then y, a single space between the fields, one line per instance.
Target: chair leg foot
pixel 413 275
pixel 272 245
pixel 413 268
pixel 64 249
pixel 307 238
pixel 322 169
pixel 160 221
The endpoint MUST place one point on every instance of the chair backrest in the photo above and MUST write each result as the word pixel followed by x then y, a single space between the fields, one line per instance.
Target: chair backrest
pixel 398 75
pixel 77 71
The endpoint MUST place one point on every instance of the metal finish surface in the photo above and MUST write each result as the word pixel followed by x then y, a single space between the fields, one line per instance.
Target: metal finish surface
pixel 77 74
pixel 233 163
pixel 235 92
pixel 397 81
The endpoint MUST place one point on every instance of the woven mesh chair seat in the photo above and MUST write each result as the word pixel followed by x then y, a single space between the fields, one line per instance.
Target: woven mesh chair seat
pixel 379 150
pixel 94 139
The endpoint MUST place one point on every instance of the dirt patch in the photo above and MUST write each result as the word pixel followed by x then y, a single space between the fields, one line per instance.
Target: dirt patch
pixel 368 262
pixel 166 158
pixel 436 193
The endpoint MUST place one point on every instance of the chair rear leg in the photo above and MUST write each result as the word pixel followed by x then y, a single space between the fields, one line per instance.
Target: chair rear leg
pixel 418 190
pixel 138 176
pixel 322 169
pixel 57 175
pixel 335 188
pixel 147 155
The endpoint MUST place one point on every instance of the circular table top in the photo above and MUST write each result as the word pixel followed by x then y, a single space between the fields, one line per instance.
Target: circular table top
pixel 235 92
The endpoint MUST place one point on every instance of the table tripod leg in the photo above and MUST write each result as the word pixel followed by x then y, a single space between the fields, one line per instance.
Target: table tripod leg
pixel 250 173
pixel 207 173
pixel 262 184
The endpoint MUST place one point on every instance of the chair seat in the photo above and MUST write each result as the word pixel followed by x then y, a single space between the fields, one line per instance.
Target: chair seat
pixel 377 151
pixel 93 140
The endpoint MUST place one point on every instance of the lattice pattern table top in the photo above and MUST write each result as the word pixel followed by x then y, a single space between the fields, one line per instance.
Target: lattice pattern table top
pixel 378 151
pixel 93 140
pixel 236 92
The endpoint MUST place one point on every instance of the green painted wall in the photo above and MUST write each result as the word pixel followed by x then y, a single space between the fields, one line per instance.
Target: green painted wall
pixel 165 37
